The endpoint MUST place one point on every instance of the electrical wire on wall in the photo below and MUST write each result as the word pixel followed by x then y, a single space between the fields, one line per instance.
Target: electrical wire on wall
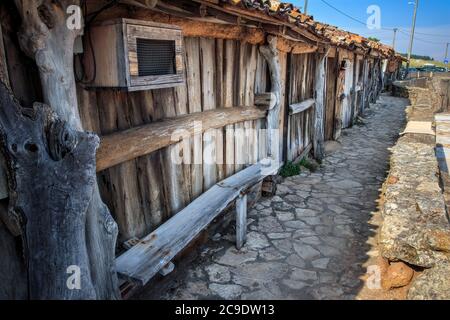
pixel 80 75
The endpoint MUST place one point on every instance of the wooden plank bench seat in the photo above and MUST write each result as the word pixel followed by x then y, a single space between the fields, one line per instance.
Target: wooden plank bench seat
pixel 152 253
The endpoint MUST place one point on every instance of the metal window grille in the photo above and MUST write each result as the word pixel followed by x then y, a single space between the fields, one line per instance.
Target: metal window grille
pixel 155 57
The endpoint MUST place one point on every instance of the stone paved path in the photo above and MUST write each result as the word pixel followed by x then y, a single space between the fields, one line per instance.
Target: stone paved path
pixel 310 241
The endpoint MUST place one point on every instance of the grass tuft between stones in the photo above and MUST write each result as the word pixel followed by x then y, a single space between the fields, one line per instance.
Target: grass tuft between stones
pixel 291 169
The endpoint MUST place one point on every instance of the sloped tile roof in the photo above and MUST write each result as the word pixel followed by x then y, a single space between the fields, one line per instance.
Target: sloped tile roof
pixel 287 12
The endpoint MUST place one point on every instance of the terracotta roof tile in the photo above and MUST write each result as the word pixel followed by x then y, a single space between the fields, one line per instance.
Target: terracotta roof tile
pixel 289 13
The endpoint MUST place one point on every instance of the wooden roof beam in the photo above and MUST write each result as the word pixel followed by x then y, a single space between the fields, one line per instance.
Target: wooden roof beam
pixel 263 18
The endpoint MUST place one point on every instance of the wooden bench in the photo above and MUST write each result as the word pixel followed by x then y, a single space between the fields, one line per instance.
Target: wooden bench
pixel 155 251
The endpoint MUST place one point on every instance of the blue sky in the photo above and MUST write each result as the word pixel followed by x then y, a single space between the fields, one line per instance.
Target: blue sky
pixel 433 21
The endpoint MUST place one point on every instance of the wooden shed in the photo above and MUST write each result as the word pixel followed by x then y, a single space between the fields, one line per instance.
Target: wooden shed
pixel 195 103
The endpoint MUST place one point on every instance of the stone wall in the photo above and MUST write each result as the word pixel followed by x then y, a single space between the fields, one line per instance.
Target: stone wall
pixel 415 232
pixel 430 93
pixel 415 227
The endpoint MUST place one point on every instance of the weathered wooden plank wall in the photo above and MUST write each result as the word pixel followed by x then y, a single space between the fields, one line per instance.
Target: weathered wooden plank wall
pixel 347 105
pixel 360 92
pixel 301 87
pixel 144 192
pixel 330 98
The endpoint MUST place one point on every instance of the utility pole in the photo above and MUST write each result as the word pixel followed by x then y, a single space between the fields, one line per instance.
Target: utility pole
pixel 446 52
pixel 411 41
pixel 305 9
pixel 395 38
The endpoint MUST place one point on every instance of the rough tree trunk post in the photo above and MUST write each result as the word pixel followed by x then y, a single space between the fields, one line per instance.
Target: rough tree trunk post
pixel 46 37
pixel 51 170
pixel 319 131
pixel 270 53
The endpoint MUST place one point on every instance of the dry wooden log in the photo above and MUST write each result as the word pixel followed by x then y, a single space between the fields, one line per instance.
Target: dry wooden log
pixel 241 220
pixel 265 100
pixel 270 53
pixel 51 175
pixel 319 111
pixel 130 144
pixel 301 107
pixel 295 47
pixel 147 4
pixel 194 28
pixel 46 37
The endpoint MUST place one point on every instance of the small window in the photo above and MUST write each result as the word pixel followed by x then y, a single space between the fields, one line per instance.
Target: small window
pixel 155 57
pixel 136 55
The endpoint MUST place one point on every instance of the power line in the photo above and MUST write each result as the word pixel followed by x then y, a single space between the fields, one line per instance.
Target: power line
pixel 433 35
pixel 351 17
pixel 407 33
pixel 343 13
pixel 385 28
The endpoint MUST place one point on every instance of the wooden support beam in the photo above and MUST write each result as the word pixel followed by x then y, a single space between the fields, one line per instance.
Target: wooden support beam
pixel 241 220
pixel 270 54
pixel 303 154
pixel 67 223
pixel 130 144
pixel 295 47
pixel 193 28
pixel 300 107
pixel 319 111
pixel 262 17
pixel 148 4
pixel 265 100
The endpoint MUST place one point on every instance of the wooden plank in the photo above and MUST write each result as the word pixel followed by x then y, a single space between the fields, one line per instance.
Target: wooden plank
pixel 121 186
pixel 250 63
pixel 177 192
pixel 228 88
pixel 303 154
pixel 154 251
pixel 209 159
pixel 281 73
pixel 330 98
pixel 153 194
pixel 207 66
pixel 240 150
pixel 4 75
pixel 241 220
pixel 261 139
pixel 138 141
pixel 193 82
pixel 301 107
pixel 265 100
pixel 219 88
pixel 184 147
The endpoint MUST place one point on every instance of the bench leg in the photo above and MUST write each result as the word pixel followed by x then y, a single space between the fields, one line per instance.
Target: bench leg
pixel 241 220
